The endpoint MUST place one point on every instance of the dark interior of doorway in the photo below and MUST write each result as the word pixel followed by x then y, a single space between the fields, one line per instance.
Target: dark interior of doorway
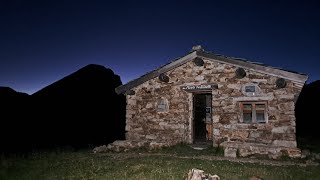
pixel 201 105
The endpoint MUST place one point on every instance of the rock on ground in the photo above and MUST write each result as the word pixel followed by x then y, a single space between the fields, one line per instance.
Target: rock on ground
pixel 198 174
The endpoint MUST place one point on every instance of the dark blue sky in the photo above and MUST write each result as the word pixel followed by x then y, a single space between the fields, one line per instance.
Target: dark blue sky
pixel 43 41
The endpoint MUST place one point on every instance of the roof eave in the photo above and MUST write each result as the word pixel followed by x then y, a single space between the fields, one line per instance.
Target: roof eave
pixel 123 88
pixel 296 77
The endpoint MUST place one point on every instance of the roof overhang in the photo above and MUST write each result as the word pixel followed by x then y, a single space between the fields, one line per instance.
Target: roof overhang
pixel 156 73
pixel 296 77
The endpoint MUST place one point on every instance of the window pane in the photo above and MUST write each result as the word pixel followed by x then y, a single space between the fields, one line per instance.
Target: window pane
pixel 162 106
pixel 250 88
pixel 247 117
pixel 260 106
pixel 247 106
pixel 162 102
pixel 260 116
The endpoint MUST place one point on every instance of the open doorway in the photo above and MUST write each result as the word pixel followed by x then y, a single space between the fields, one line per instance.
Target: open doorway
pixel 202 125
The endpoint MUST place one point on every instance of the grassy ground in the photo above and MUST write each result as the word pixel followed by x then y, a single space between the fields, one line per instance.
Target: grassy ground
pixel 85 165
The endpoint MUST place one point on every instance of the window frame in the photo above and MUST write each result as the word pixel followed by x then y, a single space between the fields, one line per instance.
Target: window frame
pixel 254 110
pixel 256 92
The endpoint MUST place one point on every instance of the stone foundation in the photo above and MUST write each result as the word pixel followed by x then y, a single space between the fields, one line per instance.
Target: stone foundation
pixel 123 146
pixel 232 149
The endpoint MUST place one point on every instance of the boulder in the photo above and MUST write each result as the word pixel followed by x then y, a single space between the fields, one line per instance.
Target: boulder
pixel 198 174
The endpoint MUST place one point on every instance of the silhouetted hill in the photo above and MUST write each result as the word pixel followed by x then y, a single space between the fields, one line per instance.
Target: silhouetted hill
pixel 79 110
pixel 307 111
pixel 82 108
pixel 12 104
pixel 11 100
pixel 89 79
pixel 7 92
pixel 13 117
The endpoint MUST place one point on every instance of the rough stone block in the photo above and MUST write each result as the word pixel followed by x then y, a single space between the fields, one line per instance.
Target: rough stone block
pixel 288 106
pixel 242 134
pixel 234 86
pixel 294 152
pixel 282 143
pixel 149 105
pixel 150 137
pixel 131 102
pixel 286 96
pixel 199 78
pixel 215 118
pixel 282 129
pixel 216 132
pixel 255 134
pixel 127 128
pixel 230 152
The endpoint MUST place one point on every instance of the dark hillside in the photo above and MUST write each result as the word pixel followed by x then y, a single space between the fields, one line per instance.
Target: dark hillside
pixel 15 112
pixel 307 110
pixel 82 108
pixel 79 110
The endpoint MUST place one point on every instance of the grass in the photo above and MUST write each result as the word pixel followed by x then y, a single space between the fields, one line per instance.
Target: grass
pixel 184 150
pixel 85 165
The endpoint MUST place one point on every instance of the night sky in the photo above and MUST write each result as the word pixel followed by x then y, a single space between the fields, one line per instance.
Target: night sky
pixel 44 41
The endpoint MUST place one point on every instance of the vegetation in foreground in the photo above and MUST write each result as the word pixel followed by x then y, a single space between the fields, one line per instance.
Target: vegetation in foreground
pixel 85 165
pixel 183 150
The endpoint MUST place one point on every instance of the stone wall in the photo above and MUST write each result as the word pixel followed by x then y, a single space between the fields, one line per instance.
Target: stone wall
pixel 144 122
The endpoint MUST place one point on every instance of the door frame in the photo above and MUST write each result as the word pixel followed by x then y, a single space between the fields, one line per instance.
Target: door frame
pixel 192 123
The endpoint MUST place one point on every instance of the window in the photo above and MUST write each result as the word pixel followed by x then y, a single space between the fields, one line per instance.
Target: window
pixel 162 105
pixel 251 89
pixel 253 112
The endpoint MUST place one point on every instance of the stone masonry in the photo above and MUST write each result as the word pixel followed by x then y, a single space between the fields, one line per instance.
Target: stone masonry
pixel 273 138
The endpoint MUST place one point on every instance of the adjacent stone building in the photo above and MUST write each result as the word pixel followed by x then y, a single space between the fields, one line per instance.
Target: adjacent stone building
pixel 245 107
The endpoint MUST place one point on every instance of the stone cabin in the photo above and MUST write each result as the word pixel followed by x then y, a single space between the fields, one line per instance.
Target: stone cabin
pixel 245 107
